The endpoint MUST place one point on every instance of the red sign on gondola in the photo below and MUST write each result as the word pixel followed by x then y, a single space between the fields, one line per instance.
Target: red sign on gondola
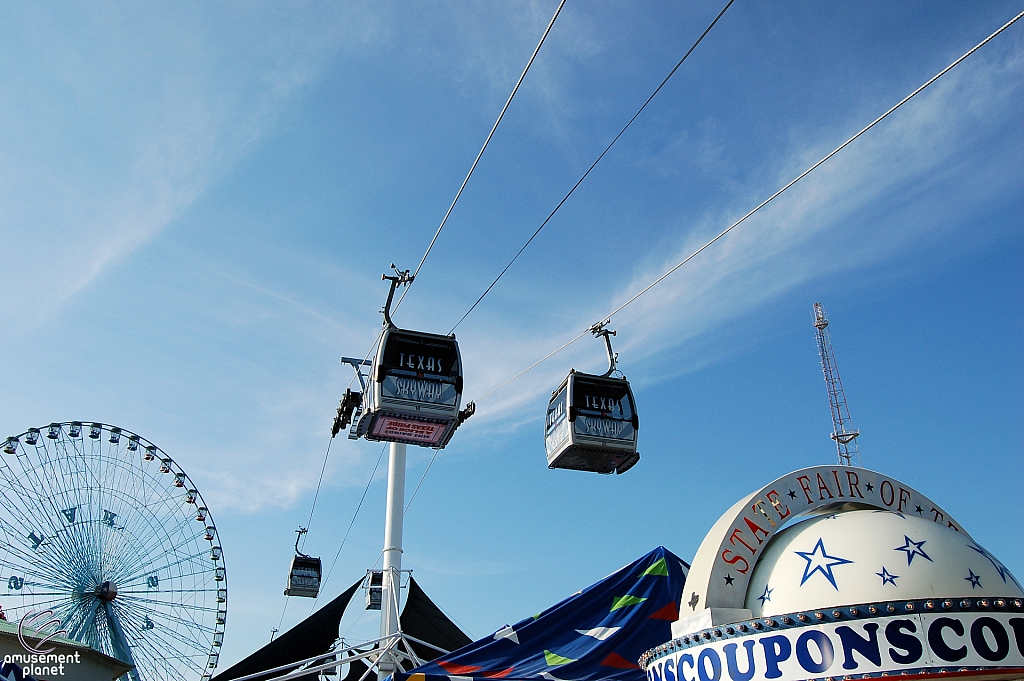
pixel 418 432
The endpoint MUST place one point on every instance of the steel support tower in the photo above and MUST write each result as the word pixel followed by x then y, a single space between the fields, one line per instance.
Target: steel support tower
pixel 843 432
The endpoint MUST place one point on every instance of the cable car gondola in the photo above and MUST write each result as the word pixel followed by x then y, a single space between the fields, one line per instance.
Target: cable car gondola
pixel 304 574
pixel 414 389
pixel 591 422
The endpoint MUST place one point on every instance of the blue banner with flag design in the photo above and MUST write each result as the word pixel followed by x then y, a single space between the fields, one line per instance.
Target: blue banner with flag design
pixel 596 634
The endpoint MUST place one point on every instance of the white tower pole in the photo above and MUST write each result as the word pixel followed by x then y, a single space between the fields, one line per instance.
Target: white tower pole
pixel 393 524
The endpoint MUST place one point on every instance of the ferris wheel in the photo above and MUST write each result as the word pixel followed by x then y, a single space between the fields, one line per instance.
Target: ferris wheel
pixel 101 527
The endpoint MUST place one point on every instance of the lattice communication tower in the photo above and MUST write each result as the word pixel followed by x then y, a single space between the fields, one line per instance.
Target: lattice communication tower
pixel 843 432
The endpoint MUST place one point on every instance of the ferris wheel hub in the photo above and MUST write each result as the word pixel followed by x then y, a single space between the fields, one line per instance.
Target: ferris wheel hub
pixel 107 591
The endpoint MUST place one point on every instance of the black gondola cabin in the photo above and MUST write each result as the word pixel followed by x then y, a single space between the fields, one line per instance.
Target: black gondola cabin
pixel 414 389
pixel 304 577
pixel 592 425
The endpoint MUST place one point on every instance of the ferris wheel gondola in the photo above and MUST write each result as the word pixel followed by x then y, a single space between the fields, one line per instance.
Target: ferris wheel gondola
pixel 414 388
pixel 591 422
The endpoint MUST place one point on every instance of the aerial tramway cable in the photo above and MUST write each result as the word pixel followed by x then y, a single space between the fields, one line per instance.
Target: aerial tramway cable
pixel 760 205
pixel 351 523
pixel 444 221
pixel 472 168
pixel 592 165
pixel 552 214
pixel 316 495
pixel 481 153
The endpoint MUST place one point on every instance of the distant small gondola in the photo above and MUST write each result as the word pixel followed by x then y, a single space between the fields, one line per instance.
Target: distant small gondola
pixel 373 586
pixel 591 423
pixel 414 389
pixel 304 574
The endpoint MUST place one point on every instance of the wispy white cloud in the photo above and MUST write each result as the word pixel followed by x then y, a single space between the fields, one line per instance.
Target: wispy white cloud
pixel 118 119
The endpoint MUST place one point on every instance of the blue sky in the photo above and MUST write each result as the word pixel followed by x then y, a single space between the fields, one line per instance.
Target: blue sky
pixel 197 202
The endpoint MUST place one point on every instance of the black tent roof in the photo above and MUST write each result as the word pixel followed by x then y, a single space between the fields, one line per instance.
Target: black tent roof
pixel 420 619
pixel 423 620
pixel 310 637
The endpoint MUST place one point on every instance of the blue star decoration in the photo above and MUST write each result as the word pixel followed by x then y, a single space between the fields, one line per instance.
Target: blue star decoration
pixel 766 596
pixel 886 577
pixel 913 548
pixel 870 487
pixel 974 579
pixel 792 494
pixel 1000 568
pixel 728 579
pixel 818 560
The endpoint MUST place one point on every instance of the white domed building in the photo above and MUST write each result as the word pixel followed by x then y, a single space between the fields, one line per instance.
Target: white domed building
pixel 835 572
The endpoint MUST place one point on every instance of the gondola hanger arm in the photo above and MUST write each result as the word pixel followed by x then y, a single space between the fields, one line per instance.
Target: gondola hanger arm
pixel 298 535
pixel 400 278
pixel 356 364
pixel 600 330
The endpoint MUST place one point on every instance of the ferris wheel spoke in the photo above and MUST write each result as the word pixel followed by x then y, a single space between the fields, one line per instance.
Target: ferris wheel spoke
pixel 147 555
pixel 16 538
pixel 79 491
pixel 195 562
pixel 14 497
pixel 150 552
pixel 76 611
pixel 118 553
pixel 34 606
pixel 34 569
pixel 72 615
pixel 47 511
pixel 122 562
pixel 180 523
pixel 139 594
pixel 63 472
pixel 181 650
pixel 60 551
pixel 18 552
pixel 174 598
pixel 171 634
pixel 196 608
pixel 175 632
pixel 187 617
pixel 42 583
pixel 31 491
pixel 154 652
pixel 39 605
pixel 197 633
pixel 14 492
pixel 145 570
pixel 63 594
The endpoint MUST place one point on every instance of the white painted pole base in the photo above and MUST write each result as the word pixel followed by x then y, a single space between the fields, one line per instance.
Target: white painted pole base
pixel 393 525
